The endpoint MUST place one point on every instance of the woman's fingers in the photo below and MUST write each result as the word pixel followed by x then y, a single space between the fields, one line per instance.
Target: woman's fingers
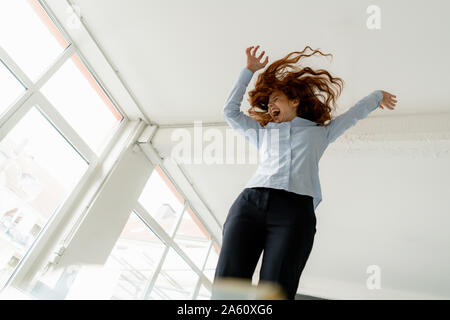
pixel 389 105
pixel 392 100
pixel 252 54
pixel 253 61
pixel 261 55
pixel 254 51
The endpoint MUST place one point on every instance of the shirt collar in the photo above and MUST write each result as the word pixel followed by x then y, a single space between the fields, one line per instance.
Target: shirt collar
pixel 297 121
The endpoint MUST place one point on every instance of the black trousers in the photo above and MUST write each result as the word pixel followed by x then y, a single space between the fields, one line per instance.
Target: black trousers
pixel 281 223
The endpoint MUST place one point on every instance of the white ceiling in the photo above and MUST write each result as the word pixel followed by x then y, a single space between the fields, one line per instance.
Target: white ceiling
pixel 181 59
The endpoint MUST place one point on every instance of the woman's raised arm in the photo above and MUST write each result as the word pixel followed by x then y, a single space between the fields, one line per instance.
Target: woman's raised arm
pixel 359 111
pixel 239 121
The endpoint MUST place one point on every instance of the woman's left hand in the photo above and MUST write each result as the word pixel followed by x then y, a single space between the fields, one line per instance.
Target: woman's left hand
pixel 388 100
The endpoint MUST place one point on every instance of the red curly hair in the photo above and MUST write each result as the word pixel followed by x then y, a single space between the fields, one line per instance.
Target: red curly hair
pixel 304 83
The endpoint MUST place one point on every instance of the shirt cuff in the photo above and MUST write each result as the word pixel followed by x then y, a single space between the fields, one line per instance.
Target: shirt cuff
pixel 377 96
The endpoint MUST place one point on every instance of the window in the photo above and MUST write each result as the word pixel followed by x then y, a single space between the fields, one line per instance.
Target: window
pixel 146 262
pixel 38 169
pixel 193 238
pixel 203 293
pixel 82 102
pixel 10 88
pixel 162 201
pixel 29 36
pixel 176 280
pixel 50 139
pixel 126 274
pixel 136 254
pixel 190 242
pixel 211 262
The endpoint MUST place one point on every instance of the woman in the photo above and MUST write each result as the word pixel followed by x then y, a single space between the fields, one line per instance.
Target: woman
pixel 276 210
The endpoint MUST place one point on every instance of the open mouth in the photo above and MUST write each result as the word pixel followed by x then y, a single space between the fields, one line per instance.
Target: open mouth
pixel 275 114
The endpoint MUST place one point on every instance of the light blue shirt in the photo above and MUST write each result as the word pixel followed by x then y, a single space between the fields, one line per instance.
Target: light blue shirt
pixel 289 152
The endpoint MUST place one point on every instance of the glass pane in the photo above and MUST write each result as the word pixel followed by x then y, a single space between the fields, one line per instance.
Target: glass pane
pixel 204 293
pixel 38 169
pixel 125 275
pixel 11 88
pixel 176 279
pixel 211 262
pixel 193 238
pixel 29 36
pixel 137 254
pixel 161 200
pixel 77 96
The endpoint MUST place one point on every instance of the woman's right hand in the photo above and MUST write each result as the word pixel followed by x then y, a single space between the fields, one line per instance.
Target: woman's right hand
pixel 253 62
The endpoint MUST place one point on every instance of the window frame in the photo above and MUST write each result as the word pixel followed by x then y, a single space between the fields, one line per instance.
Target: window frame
pixel 163 255
pixel 32 96
pixel 169 240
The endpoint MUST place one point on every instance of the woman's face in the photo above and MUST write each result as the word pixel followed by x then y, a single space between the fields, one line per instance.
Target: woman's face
pixel 281 108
